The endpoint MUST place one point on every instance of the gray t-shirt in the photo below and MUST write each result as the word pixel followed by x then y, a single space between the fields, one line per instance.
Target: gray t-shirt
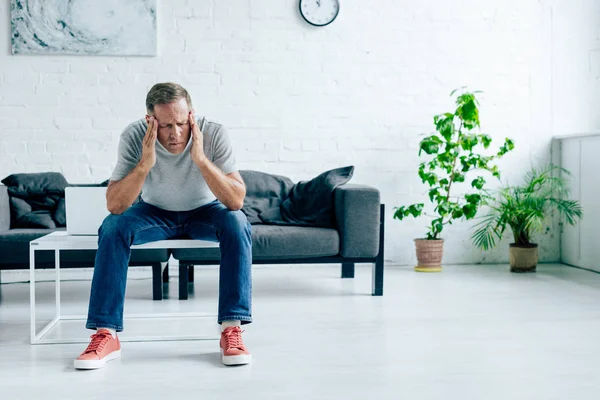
pixel 175 183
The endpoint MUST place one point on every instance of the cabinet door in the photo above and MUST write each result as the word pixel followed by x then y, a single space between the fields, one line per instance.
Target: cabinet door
pixel 590 202
pixel 571 235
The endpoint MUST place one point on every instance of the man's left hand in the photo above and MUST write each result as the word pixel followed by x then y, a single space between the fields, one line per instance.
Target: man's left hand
pixel 197 150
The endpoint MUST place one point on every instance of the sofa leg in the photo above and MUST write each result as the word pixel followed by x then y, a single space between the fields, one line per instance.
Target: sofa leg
pixel 183 281
pixel 347 270
pixel 377 283
pixel 165 274
pixel 191 274
pixel 378 278
pixel 156 281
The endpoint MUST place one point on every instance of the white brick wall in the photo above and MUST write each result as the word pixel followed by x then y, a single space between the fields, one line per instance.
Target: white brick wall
pixel 299 100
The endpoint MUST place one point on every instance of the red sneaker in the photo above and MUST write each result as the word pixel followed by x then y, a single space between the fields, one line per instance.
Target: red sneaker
pixel 103 347
pixel 233 351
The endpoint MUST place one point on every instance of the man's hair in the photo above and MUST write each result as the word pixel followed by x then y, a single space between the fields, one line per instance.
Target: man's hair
pixel 166 93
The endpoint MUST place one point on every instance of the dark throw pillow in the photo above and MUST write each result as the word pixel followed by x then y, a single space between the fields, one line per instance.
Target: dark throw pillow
pixel 36 219
pixel 35 184
pixel 263 191
pixel 18 208
pixel 310 203
pixel 60 216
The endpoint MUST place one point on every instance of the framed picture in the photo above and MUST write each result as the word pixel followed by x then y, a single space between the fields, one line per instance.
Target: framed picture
pixel 87 27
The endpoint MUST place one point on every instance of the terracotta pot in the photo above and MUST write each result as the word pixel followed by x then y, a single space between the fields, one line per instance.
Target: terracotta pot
pixel 523 258
pixel 429 255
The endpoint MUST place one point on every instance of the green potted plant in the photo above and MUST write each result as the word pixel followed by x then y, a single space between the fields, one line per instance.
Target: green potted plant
pixel 456 151
pixel 526 210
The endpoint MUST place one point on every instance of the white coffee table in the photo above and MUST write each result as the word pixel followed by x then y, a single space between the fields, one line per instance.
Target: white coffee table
pixel 61 241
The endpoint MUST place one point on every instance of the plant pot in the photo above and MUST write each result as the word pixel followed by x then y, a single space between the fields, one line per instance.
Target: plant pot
pixel 429 255
pixel 523 258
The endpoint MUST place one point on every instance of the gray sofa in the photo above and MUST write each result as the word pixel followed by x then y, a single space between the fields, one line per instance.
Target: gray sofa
pixel 357 238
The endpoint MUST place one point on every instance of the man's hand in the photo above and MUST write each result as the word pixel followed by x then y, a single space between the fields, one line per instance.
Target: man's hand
pixel 197 150
pixel 149 145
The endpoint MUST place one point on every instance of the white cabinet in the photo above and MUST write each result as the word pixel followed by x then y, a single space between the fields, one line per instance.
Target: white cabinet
pixel 580 244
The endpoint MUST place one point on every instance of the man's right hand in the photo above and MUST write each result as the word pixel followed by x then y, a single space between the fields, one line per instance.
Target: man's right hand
pixel 149 145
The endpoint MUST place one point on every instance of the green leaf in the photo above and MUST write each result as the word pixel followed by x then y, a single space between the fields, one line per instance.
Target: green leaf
pixel 402 212
pixel 470 210
pixel 415 209
pixel 508 146
pixel 399 214
pixel 458 177
pixel 495 172
pixel 428 177
pixel 468 142
pixel 445 127
pixel 478 182
pixel 433 193
pixel 432 179
pixel 486 140
pixel 430 145
pixel 467 110
pixel 457 213
pixel 422 173
pixel 443 209
pixel 482 162
pixel 437 226
pixel 488 230
pixel 443 158
pixel 473 198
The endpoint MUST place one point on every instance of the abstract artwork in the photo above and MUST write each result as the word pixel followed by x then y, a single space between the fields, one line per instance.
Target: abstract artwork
pixel 89 27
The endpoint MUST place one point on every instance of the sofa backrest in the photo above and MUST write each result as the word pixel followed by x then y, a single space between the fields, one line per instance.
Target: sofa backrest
pixel 4 209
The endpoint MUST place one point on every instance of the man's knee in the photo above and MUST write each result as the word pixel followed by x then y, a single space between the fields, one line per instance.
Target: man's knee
pixel 114 224
pixel 235 221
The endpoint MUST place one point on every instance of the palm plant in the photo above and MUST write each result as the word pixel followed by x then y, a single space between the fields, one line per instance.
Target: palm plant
pixel 527 208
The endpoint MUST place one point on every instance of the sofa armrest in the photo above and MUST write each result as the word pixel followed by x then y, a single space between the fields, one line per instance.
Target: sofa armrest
pixel 4 209
pixel 357 209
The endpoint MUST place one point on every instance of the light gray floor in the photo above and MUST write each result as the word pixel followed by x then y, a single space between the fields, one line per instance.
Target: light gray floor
pixel 471 332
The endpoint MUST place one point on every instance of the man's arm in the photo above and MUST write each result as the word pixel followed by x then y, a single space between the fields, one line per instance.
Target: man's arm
pixel 121 194
pixel 228 188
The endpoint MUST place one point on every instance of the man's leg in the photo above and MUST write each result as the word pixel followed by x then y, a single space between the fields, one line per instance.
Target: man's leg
pixel 234 233
pixel 141 223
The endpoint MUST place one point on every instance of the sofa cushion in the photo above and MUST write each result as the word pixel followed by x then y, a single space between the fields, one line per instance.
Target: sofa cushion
pixel 263 191
pixel 14 247
pixel 36 184
pixel 277 242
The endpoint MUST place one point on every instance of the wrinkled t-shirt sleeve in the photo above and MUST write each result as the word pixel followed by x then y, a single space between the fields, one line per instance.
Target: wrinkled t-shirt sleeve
pixel 127 159
pixel 223 156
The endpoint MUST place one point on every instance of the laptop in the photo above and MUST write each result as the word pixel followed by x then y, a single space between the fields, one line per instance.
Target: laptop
pixel 85 209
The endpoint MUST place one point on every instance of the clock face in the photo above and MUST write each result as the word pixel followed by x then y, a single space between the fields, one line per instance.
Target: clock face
pixel 319 12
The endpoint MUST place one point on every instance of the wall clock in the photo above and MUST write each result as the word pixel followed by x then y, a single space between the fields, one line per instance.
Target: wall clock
pixel 319 12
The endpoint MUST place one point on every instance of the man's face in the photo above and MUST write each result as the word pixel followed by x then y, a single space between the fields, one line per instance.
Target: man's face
pixel 173 125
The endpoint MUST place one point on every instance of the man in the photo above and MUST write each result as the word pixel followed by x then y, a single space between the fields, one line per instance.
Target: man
pixel 185 170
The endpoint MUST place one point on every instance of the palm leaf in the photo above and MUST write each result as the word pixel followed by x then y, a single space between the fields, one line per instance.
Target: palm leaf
pixel 488 229
pixel 528 207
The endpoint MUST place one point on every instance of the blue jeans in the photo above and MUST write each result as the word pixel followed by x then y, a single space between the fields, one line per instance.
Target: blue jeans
pixel 143 223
